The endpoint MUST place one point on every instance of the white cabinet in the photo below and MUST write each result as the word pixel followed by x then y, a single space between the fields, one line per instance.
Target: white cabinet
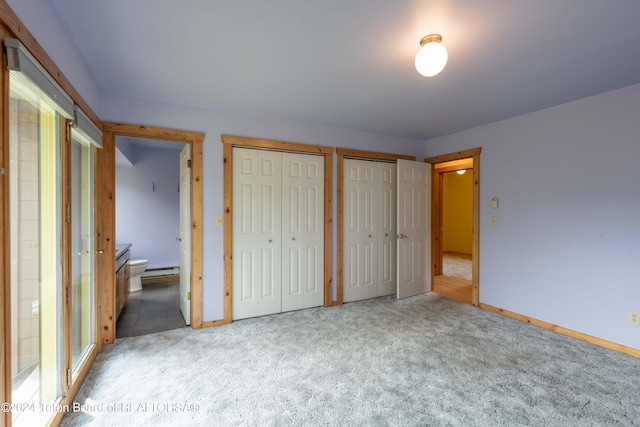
pixel 369 229
pixel 278 232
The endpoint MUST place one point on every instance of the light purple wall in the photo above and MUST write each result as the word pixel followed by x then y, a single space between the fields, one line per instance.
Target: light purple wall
pixel 39 17
pixel 150 220
pixel 566 247
pixel 117 108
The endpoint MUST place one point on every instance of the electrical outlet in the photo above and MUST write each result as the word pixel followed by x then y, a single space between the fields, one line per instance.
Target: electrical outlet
pixel 634 318
pixel 219 221
pixel 494 220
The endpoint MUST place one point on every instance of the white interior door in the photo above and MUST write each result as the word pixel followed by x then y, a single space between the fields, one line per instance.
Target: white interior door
pixel 302 231
pixel 360 231
pixel 414 228
pixel 257 233
pixel 185 233
pixel 387 224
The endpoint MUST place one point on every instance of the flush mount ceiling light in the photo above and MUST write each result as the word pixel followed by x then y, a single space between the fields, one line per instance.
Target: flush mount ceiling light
pixel 432 56
pixel 461 172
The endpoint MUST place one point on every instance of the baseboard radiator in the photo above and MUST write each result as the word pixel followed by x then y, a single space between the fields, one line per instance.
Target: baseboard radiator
pixel 161 274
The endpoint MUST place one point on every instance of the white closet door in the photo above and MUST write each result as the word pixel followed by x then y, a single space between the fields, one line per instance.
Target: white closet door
pixel 387 226
pixel 351 234
pixel 257 244
pixel 302 231
pixel 360 232
pixel 414 228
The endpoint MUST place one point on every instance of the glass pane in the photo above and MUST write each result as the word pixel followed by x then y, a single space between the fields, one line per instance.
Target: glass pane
pixel 81 249
pixel 36 361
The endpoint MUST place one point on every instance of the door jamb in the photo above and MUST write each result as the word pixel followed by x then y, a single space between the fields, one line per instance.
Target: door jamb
pixel 436 216
pixel 105 220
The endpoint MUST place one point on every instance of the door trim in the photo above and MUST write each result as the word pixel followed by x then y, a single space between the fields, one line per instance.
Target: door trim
pixel 230 141
pixel 436 217
pixel 362 155
pixel 106 227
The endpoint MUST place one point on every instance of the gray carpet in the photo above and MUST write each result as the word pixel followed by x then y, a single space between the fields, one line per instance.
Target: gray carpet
pixel 421 361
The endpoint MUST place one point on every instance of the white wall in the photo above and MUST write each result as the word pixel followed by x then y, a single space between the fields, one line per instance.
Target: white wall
pixel 148 219
pixel 566 248
pixel 122 109
pixel 40 19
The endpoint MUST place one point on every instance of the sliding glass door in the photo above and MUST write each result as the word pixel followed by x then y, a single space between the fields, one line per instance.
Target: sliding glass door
pixel 82 250
pixel 36 286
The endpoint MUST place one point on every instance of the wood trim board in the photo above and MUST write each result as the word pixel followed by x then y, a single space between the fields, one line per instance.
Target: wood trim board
pixel 105 199
pixel 105 229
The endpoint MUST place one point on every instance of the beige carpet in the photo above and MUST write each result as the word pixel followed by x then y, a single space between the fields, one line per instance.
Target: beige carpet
pixel 421 361
pixel 457 265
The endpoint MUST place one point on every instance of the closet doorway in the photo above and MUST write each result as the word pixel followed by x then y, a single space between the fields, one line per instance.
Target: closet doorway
pixel 232 171
pixel 455 225
pixel 278 232
pixel 367 234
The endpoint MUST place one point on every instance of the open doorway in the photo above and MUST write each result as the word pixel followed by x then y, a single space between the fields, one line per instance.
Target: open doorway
pixel 455 224
pixel 152 201
pixel 106 227
pixel 386 271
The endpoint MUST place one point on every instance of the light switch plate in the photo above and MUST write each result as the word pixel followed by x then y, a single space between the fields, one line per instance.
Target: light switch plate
pixel 218 220
pixel 494 202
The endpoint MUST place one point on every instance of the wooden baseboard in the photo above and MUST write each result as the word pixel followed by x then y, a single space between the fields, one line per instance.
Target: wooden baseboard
pixel 564 331
pixel 160 279
pixel 211 323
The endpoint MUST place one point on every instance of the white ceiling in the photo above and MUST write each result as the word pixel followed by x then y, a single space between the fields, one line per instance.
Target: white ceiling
pixel 349 63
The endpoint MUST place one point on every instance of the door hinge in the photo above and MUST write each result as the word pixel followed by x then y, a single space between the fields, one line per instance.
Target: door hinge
pixel 189 163
pixel 189 295
pixel 68 376
pixel 2 171
pixel 68 214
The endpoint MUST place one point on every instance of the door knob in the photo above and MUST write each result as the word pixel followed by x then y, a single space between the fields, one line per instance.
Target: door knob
pixel 403 236
pixel 85 252
pixel 270 240
pixel 100 251
pixel 179 239
pixel 293 238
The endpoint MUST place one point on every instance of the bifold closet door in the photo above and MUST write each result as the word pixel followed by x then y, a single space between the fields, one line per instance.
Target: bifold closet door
pixel 302 231
pixel 387 224
pixel 369 231
pixel 278 232
pixel 257 233
pixel 414 228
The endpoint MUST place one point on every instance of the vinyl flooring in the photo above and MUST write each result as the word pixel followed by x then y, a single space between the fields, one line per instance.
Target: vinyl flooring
pixel 155 308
